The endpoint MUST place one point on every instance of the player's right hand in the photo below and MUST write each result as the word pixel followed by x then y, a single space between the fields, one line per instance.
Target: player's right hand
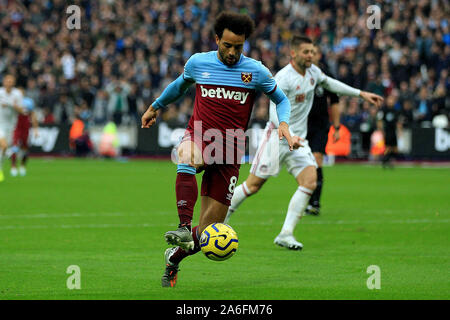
pixel 283 131
pixel 297 142
pixel 336 135
pixel 149 117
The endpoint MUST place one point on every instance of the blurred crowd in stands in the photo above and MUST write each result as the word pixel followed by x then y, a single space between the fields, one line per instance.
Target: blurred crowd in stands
pixel 127 52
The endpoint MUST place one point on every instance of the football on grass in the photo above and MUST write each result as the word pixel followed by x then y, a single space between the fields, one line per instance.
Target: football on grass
pixel 219 241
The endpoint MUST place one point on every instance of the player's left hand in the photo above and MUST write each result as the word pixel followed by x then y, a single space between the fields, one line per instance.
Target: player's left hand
pixel 283 131
pixel 372 98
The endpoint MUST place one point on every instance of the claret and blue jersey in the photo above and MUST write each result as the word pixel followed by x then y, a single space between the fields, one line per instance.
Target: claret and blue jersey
pixel 224 94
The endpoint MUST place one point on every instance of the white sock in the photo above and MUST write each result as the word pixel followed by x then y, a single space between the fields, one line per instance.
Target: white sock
pixel 1 159
pixel 297 206
pixel 240 194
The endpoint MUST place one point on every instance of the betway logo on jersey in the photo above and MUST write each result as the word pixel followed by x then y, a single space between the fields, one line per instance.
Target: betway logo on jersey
pixel 222 93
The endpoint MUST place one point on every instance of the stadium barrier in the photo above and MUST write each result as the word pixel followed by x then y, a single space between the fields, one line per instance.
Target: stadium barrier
pixel 430 143
pixel 159 140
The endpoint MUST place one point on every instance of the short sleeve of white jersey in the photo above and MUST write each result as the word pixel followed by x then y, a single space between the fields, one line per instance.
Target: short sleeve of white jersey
pixel 318 74
pixel 19 97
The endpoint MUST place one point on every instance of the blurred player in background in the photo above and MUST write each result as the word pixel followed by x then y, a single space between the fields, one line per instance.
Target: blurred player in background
pixel 11 101
pixel 226 84
pixel 318 127
pixel 388 123
pixel 20 138
pixel 298 80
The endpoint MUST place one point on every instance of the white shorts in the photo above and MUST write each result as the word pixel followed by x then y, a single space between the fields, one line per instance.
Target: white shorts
pixel 272 154
pixel 6 133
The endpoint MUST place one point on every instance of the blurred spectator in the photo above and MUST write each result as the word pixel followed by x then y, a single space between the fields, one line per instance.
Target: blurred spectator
pixel 407 114
pixel 48 116
pixel 63 109
pixel 79 140
pixel 423 110
pixel 185 110
pixel 145 44
pixel 133 101
pixel 118 100
pixel 100 110
pixel 352 118
pixel 170 116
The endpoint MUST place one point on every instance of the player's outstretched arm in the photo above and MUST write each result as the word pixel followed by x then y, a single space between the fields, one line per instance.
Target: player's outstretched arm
pixel 341 88
pixel 372 98
pixel 283 131
pixel 175 90
pixel 283 113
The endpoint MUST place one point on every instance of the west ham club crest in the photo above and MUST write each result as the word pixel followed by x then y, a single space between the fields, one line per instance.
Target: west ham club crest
pixel 246 77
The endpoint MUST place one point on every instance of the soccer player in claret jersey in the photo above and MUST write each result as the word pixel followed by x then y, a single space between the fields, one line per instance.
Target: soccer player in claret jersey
pixel 226 84
pixel 298 80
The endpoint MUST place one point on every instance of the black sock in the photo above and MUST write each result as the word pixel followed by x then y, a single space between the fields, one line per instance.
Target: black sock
pixel 387 158
pixel 315 198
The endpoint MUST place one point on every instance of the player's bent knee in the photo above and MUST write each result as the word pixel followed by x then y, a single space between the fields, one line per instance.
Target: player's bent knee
pixel 312 184
pixel 189 153
pixel 308 178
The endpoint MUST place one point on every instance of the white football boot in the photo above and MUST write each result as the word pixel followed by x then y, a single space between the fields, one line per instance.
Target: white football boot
pixel 288 241
pixel 22 171
pixel 13 172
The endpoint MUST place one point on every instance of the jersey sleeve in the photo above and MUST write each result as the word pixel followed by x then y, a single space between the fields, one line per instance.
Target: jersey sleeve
pixel 188 74
pixel 19 98
pixel 320 76
pixel 266 83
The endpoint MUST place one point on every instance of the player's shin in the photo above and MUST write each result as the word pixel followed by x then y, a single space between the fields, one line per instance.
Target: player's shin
pixel 315 198
pixel 23 156
pixel 297 205
pixel 186 193
pixel 240 194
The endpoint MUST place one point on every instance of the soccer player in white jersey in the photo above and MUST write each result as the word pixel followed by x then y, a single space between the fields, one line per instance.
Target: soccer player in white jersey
pixel 298 80
pixel 10 107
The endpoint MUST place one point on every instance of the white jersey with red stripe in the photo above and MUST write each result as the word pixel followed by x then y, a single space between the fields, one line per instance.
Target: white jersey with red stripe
pixel 8 115
pixel 300 91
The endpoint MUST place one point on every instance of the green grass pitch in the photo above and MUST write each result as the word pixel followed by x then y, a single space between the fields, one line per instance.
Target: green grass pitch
pixel 109 217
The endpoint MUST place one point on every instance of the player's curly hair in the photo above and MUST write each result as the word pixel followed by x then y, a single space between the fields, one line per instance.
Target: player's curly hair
pixel 235 22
